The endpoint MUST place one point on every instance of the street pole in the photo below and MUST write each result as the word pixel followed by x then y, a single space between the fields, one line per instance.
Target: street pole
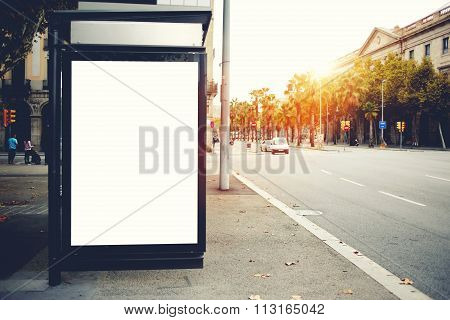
pixel 382 111
pixel 327 125
pixel 320 111
pixel 224 180
pixel 258 128
pixel 401 139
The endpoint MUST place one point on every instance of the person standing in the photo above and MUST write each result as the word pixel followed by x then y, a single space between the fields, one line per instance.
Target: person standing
pixel 215 140
pixel 27 147
pixel 12 147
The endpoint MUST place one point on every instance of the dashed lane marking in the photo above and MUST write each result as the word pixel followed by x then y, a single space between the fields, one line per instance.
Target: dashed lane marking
pixel 403 199
pixel 352 182
pixel 387 279
pixel 437 178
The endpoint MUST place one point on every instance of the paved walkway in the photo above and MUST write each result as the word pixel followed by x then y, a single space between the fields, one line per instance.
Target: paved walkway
pixel 252 249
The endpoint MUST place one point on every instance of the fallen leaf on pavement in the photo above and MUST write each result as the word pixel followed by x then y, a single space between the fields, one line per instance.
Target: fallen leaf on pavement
pixel 242 211
pixel 407 281
pixel 290 264
pixel 254 297
pixel 269 206
pixel 251 260
pixel 262 275
pixel 348 291
pixel 296 297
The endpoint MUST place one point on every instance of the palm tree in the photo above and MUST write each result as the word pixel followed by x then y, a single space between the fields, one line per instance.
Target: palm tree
pixel 268 109
pixel 288 119
pixel 370 113
pixel 296 95
pixel 234 104
pixel 257 96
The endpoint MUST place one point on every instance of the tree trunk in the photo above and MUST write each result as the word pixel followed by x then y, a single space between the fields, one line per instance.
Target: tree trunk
pixel 360 134
pixel 442 136
pixel 415 126
pixel 370 130
pixel 312 130
pixel 299 128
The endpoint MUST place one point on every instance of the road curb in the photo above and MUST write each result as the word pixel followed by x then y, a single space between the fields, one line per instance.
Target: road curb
pixel 385 278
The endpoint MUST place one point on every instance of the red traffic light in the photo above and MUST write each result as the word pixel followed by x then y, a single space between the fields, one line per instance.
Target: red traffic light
pixel 5 117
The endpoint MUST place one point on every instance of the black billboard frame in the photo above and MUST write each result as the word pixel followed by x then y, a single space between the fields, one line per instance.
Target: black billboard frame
pixel 63 256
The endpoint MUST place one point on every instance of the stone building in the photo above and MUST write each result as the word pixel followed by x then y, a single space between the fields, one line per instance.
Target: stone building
pixel 426 37
pixel 26 86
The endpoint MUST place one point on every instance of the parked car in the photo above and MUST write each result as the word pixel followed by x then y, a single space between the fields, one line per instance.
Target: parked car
pixel 265 145
pixel 279 145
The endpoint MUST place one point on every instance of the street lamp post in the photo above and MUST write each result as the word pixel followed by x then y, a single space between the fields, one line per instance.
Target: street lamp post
pixel 258 128
pixel 224 178
pixel 328 133
pixel 320 109
pixel 382 112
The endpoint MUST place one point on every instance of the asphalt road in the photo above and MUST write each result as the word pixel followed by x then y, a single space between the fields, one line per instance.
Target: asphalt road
pixel 393 206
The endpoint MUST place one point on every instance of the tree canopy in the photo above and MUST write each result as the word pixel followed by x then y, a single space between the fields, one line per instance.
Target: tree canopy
pixel 20 22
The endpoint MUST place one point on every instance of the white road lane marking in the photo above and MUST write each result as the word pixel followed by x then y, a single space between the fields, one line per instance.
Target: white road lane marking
pixel 401 198
pixel 353 182
pixel 371 268
pixel 437 178
pixel 326 172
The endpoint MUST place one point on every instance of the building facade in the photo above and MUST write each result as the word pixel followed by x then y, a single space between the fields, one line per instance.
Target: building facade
pixel 426 37
pixel 26 86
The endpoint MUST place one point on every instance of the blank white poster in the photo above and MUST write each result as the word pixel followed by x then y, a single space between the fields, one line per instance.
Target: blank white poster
pixel 114 201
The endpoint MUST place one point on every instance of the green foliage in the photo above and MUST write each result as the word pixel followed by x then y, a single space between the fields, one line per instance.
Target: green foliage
pixel 20 22
pixel 409 87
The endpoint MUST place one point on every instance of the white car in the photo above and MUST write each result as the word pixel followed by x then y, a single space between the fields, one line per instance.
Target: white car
pixel 279 145
pixel 265 145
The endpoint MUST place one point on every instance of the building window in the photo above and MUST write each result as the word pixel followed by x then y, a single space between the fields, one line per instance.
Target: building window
pixel 411 54
pixel 427 50
pixel 445 45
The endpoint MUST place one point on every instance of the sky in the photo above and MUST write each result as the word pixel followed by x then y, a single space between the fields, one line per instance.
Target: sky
pixel 272 40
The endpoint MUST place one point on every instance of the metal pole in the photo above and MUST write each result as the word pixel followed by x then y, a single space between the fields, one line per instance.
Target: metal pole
pixel 54 184
pixel 401 138
pixel 382 110
pixel 224 180
pixel 320 112
pixel 328 132
pixel 258 128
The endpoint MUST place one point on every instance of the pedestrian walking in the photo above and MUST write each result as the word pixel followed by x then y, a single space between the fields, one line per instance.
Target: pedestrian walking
pixel 215 140
pixel 27 147
pixel 12 147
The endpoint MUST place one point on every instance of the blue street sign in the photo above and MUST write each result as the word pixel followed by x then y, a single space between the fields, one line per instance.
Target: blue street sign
pixel 383 125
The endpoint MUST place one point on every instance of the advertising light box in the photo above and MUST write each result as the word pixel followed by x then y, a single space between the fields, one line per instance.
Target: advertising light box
pixel 134 146
pixel 127 159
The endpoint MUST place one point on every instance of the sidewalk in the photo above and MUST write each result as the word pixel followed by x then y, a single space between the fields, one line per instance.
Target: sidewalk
pixel 340 147
pixel 249 244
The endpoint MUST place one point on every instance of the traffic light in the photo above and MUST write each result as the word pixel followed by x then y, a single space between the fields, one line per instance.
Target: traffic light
pixel 5 117
pixel 12 116
pixel 403 126
pixel 399 126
